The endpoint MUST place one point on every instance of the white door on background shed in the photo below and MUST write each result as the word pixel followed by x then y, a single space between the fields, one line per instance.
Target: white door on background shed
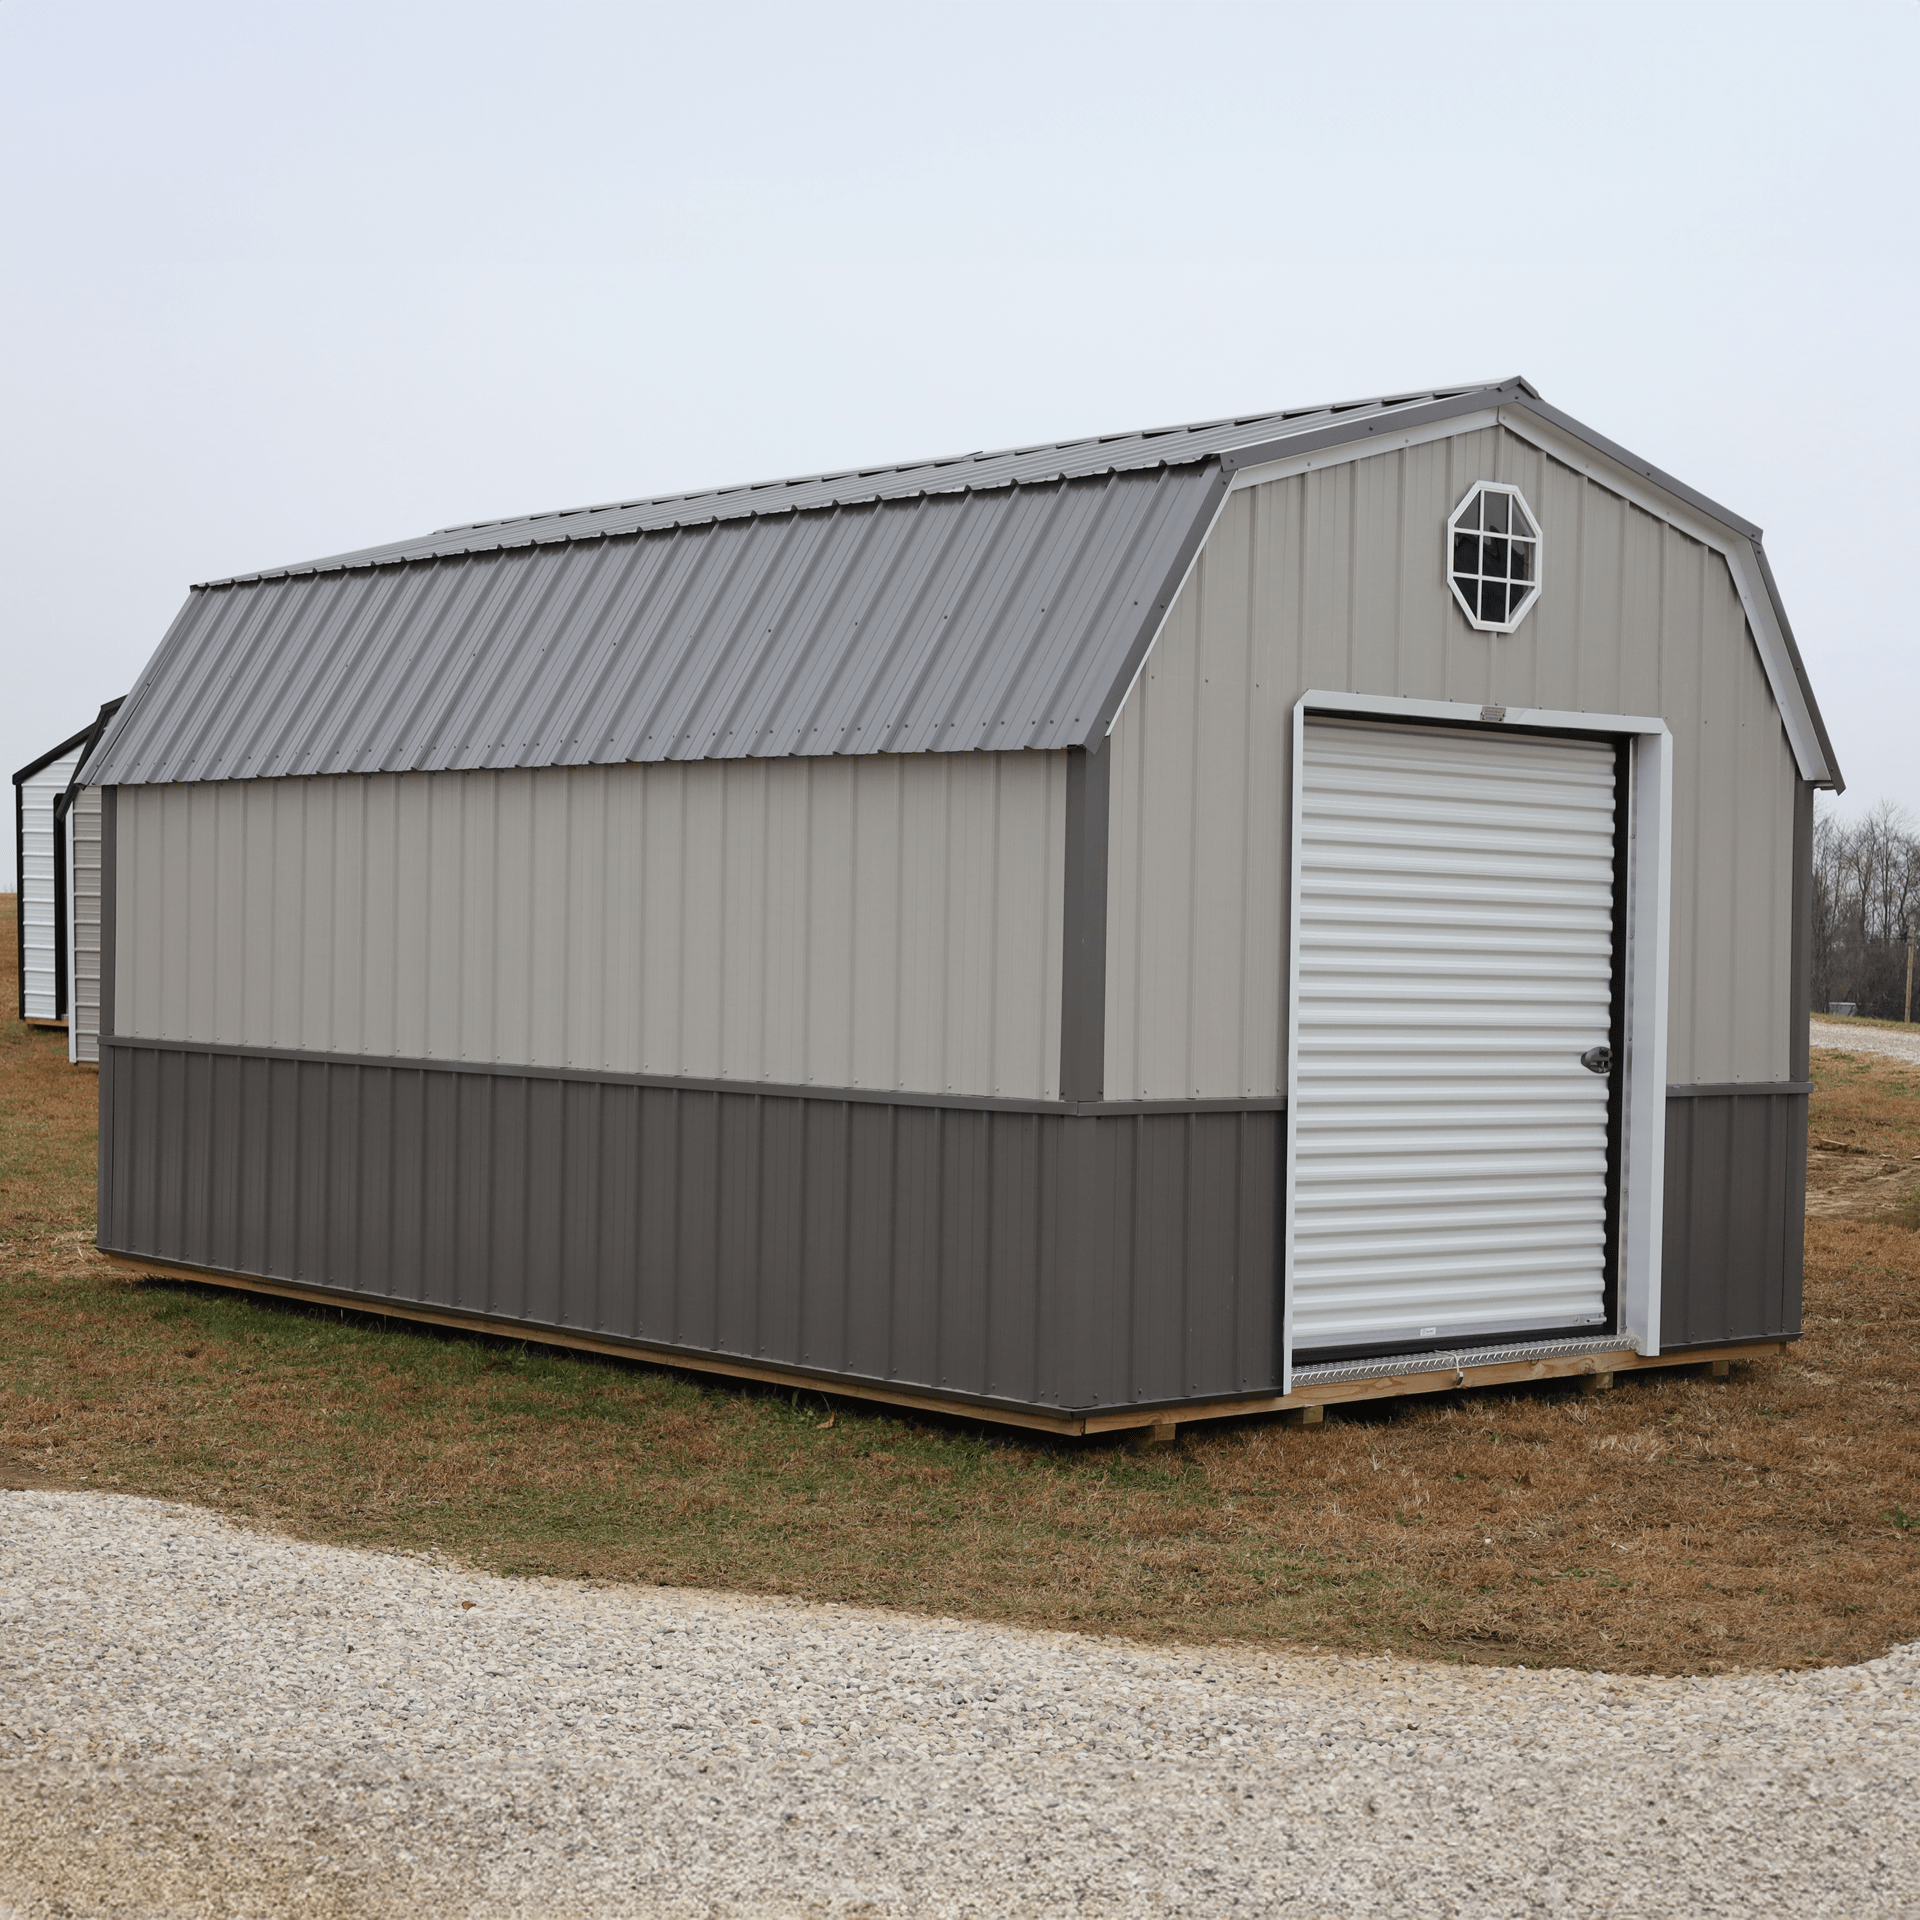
pixel 1453 960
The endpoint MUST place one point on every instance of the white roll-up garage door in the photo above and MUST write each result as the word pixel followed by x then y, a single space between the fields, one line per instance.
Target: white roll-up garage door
pixel 1453 960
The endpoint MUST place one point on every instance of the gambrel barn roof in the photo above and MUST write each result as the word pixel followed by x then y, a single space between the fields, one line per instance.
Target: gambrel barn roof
pixel 991 601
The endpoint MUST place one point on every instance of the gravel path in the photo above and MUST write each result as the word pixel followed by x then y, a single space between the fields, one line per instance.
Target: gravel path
pixel 1832 1033
pixel 197 1719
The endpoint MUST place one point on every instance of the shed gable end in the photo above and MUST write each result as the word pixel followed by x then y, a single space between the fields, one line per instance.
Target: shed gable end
pixel 1336 578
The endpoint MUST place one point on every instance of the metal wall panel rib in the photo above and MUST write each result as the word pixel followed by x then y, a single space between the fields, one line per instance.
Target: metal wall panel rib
pixel 1027 1259
pixel 888 922
pixel 1735 1218
pixel 1334 578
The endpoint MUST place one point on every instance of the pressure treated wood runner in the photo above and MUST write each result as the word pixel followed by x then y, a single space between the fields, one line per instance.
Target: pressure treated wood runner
pixel 1162 1418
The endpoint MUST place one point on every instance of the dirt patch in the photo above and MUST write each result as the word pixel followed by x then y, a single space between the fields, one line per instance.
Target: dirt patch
pixel 1855 1183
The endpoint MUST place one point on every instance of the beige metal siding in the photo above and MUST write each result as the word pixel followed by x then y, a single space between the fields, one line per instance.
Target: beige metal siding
pixel 1335 579
pixel 892 921
pixel 83 928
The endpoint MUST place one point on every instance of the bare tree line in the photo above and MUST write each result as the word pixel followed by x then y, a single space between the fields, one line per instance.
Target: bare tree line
pixel 1866 909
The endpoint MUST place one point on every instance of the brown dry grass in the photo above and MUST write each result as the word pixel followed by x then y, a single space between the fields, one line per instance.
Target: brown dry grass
pixel 1868 1020
pixel 1676 1524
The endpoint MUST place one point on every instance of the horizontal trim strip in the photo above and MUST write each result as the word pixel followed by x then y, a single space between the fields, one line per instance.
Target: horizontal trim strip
pixel 1102 1109
pixel 1732 1089
pixel 878 1096
pixel 874 1096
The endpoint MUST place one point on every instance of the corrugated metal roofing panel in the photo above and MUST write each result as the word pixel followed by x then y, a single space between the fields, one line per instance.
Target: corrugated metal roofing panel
pixel 1003 619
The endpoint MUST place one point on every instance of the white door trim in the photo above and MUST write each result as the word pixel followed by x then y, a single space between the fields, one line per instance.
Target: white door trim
pixel 1644 1097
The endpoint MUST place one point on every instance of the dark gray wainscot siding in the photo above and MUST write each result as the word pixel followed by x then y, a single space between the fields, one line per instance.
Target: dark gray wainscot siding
pixel 1735 1217
pixel 1018 1258
pixel 1013 1259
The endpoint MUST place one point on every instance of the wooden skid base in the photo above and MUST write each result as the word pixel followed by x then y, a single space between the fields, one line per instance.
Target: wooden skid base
pixel 1304 1403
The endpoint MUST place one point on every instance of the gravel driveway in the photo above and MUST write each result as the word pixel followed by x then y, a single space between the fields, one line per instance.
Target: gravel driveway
pixel 198 1719
pixel 1834 1033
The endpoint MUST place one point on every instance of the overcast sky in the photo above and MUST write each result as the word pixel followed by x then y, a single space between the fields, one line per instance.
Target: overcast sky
pixel 282 280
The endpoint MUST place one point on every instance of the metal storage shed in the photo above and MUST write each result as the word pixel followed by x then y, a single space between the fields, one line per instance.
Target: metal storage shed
pixel 1221 918
pixel 44 792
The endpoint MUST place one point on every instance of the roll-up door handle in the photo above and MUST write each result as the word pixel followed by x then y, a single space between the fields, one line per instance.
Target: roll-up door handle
pixel 1598 1059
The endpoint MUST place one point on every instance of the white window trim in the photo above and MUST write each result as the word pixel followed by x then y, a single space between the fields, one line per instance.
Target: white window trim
pixel 1643 1146
pixel 1538 537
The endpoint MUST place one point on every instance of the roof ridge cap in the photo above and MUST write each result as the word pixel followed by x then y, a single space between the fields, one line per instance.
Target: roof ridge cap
pixel 1154 446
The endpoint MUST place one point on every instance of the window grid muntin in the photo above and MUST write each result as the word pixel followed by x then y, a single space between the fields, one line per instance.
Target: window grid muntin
pixel 1494 528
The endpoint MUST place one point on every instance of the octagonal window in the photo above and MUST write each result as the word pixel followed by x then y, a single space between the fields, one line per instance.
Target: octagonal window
pixel 1493 556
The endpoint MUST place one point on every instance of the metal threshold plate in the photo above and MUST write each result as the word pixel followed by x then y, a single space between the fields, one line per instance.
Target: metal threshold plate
pixel 1457 1357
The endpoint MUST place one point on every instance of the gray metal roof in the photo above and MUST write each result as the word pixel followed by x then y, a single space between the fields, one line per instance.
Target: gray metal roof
pixel 965 620
pixel 991 601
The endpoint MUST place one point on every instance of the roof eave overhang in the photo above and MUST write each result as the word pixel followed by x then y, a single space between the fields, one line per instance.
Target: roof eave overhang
pixel 60 752
pixel 94 736
pixel 1515 404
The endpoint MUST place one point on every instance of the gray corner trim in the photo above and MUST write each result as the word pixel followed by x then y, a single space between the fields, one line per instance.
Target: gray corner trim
pixel 1391 425
pixel 109 922
pixel 1185 555
pixel 1738 1089
pixel 109 901
pixel 1083 947
pixel 1800 967
pixel 1834 779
